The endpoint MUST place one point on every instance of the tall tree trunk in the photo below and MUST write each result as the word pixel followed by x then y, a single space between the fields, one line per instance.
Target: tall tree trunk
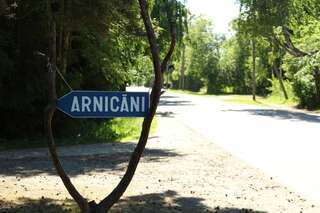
pixel 182 69
pixel 65 49
pixel 67 32
pixel 254 80
pixel 61 29
pixel 278 71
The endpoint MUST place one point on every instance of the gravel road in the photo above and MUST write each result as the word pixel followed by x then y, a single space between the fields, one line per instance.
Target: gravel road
pixel 183 170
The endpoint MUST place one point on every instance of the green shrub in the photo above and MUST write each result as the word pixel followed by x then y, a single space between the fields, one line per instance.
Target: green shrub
pixel 304 87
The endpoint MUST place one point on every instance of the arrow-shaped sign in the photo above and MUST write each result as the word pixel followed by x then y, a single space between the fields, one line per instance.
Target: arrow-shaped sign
pixel 98 104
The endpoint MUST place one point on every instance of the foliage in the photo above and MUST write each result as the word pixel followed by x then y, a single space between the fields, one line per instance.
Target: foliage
pixel 88 132
pixel 305 88
pixel 101 45
pixel 292 29
pixel 202 55
pixel 277 97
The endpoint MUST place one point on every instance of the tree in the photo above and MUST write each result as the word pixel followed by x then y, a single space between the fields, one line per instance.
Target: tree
pixel 96 51
pixel 254 77
pixel 279 22
pixel 159 68
pixel 201 57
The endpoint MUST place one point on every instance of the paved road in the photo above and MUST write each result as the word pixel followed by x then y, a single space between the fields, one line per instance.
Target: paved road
pixel 283 144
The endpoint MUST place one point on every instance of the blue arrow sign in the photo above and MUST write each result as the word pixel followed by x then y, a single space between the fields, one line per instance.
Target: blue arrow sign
pixel 98 104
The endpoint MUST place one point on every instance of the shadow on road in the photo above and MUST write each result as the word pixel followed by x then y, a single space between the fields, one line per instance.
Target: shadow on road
pixel 281 114
pixel 80 161
pixel 169 96
pixel 25 205
pixel 166 114
pixel 170 202
pixel 167 101
pixel 167 202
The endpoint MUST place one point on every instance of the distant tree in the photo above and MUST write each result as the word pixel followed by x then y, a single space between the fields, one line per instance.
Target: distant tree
pixel 202 56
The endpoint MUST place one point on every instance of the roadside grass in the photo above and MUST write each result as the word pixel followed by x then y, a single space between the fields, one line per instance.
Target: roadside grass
pixel 276 98
pixel 129 129
pixel 116 130
pixel 202 92
pixel 242 99
pixel 272 100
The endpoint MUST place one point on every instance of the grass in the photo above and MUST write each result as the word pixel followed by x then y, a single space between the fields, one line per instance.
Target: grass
pixel 242 99
pixel 271 100
pixel 118 130
pixel 129 129
pixel 187 92
pixel 276 98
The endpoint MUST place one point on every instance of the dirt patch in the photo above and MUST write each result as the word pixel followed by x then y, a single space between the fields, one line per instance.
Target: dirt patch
pixel 180 172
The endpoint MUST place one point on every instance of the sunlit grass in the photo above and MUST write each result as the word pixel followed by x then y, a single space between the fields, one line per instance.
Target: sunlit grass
pixel 187 92
pixel 242 99
pixel 271 100
pixel 130 129
pixel 276 98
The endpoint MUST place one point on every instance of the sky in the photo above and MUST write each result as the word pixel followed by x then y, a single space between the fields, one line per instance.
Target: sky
pixel 221 12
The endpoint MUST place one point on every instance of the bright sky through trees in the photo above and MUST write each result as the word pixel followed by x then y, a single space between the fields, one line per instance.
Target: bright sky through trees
pixel 221 12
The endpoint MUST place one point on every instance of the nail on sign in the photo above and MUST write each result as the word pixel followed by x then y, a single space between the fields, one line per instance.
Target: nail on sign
pixel 98 104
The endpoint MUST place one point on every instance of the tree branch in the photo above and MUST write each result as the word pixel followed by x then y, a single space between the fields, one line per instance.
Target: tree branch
pixel 173 34
pixel 284 46
pixel 293 50
pixel 115 195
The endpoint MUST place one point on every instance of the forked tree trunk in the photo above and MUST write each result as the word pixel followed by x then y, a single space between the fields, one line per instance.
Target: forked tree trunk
pixel 114 196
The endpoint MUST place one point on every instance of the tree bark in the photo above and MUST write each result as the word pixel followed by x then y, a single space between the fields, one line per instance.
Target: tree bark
pixel 61 29
pixel 159 68
pixel 183 67
pixel 278 72
pixel 65 49
pixel 51 108
pixel 173 34
pixel 254 81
